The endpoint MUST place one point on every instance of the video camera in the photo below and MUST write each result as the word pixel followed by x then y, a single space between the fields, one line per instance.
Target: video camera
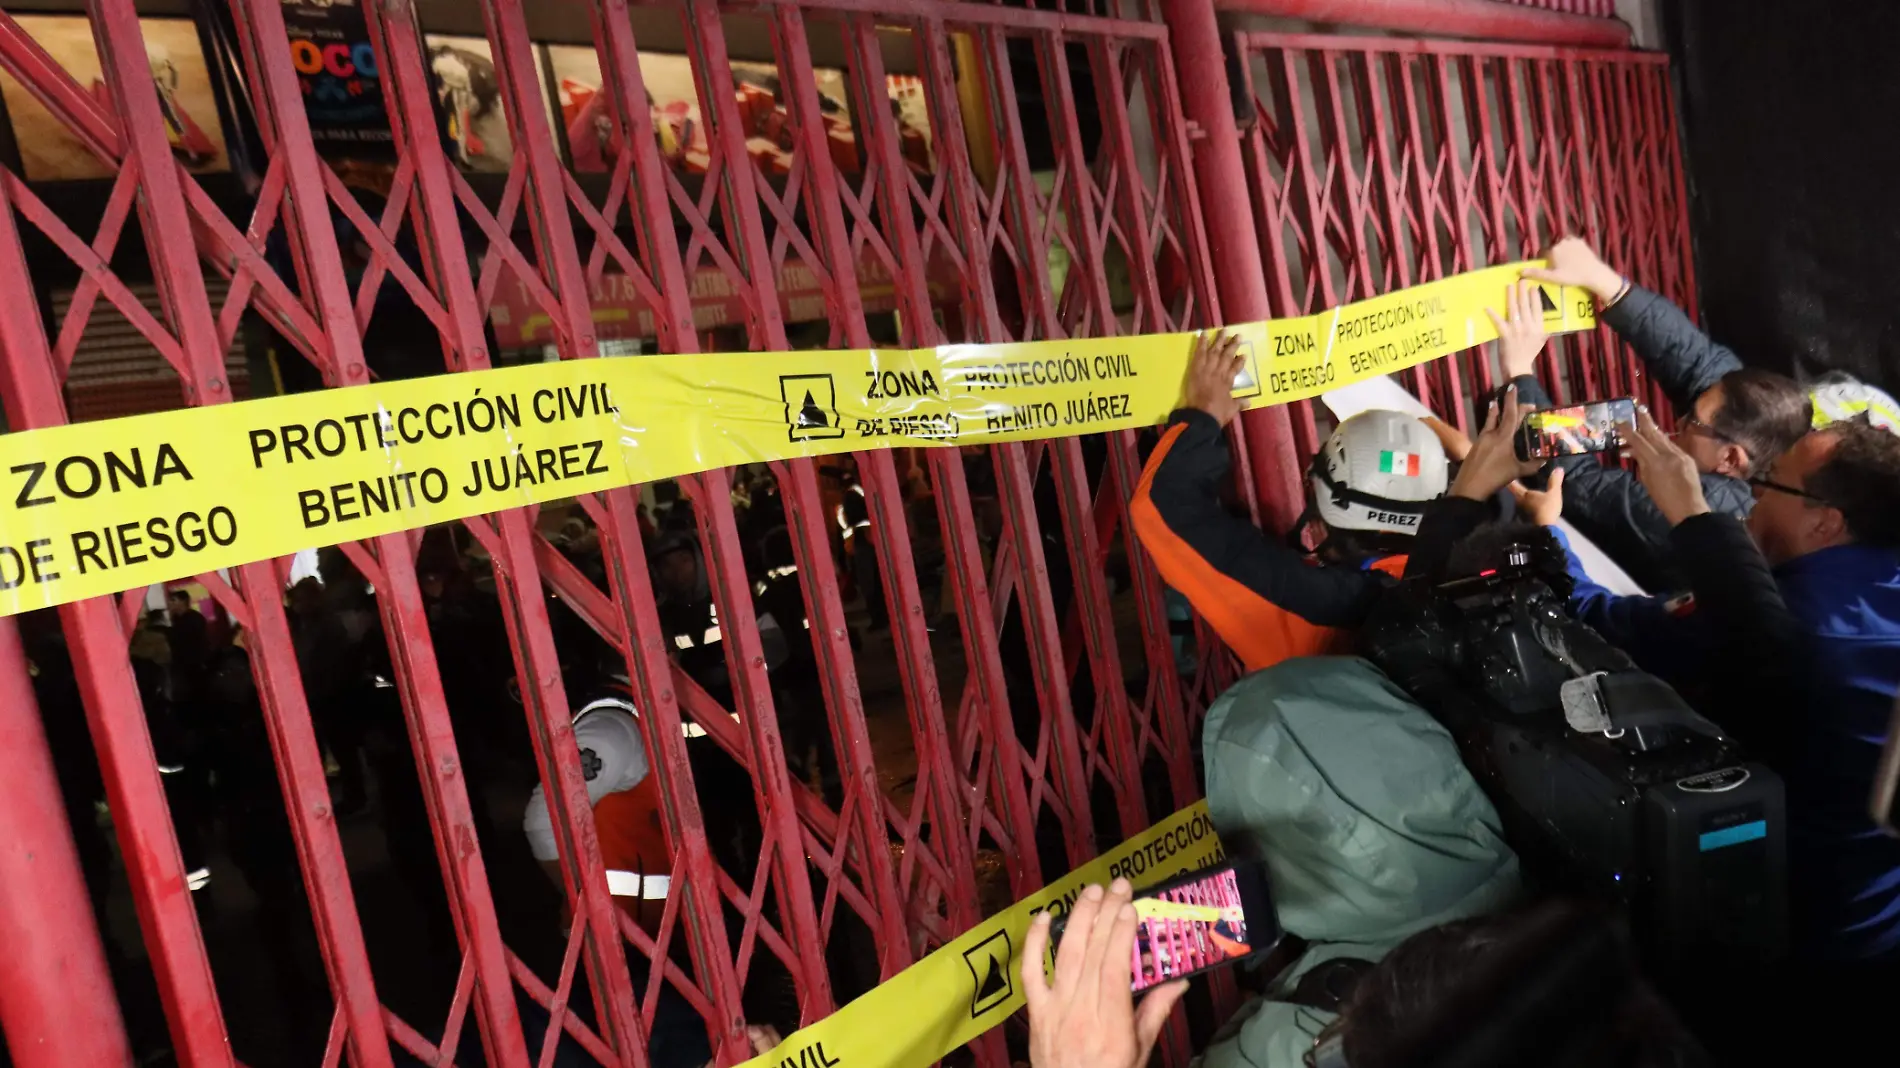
pixel 1608 783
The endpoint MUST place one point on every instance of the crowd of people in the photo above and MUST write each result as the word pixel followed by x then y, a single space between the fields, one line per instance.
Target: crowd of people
pixel 1767 530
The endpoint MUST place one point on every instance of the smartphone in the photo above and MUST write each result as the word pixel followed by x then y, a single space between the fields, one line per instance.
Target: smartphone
pixel 1197 922
pixel 1574 431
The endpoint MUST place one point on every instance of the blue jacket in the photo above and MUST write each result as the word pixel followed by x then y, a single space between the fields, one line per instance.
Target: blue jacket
pixel 1801 663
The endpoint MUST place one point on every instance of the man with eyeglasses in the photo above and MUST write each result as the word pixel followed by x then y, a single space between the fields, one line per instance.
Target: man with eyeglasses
pixel 1790 639
pixel 1735 420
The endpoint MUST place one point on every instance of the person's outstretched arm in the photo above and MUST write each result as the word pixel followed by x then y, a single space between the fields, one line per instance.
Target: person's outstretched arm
pixel 1259 595
pixel 1608 501
pixel 1685 361
pixel 1263 599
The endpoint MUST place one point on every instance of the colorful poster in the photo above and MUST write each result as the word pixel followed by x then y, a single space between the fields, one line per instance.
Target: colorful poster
pixel 469 102
pixel 50 152
pixel 468 98
pixel 594 139
pixel 342 88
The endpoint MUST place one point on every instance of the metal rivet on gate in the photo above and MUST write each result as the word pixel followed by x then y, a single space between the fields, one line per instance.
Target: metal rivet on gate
pixel 587 341
pixel 448 765
pixel 216 385
pixel 356 370
pixel 321 812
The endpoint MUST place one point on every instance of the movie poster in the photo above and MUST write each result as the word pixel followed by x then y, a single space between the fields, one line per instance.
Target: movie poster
pixel 342 88
pixel 594 141
pixel 468 99
pixel 50 152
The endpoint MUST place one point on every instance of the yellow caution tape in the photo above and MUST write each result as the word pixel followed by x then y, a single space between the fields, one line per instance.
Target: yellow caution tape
pixel 97 508
pixel 954 995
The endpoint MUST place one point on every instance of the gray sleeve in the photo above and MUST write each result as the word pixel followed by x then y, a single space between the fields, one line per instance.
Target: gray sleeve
pixel 1685 361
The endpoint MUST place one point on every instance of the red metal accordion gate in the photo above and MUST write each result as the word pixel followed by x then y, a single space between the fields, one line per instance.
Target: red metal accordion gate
pixel 1018 775
pixel 1378 163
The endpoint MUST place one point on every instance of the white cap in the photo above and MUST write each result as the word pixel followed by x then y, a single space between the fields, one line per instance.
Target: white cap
pixel 1377 471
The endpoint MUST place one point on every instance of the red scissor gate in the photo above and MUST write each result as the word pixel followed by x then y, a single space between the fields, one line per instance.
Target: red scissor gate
pixel 1379 163
pixel 1355 192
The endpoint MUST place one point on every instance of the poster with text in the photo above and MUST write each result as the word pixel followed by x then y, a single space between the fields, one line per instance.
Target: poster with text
pixel 48 149
pixel 337 73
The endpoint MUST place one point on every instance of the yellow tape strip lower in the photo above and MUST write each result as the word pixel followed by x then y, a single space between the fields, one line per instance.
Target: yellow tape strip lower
pixel 97 508
pixel 954 995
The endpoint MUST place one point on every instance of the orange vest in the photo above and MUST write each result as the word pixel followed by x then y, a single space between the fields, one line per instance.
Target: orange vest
pixel 632 836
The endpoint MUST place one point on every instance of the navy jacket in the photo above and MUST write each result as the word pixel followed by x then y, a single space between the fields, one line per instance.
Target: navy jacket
pixel 1605 502
pixel 1801 663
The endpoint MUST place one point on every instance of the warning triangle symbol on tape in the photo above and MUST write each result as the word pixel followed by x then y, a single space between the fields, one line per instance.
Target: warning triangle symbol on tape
pixel 994 983
pixel 811 415
pixel 1550 304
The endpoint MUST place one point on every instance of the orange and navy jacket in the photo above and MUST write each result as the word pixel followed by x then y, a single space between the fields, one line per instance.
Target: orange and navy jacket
pixel 1266 601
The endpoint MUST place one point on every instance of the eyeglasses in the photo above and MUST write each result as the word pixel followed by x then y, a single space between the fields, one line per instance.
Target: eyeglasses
pixel 1759 484
pixel 1690 422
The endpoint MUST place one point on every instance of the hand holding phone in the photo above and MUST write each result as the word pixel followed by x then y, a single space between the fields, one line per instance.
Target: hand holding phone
pixel 1575 430
pixel 1198 922
pixel 1085 1016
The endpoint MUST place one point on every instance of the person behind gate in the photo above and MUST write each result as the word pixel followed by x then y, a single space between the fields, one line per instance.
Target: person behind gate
pixel 633 846
pixel 1375 486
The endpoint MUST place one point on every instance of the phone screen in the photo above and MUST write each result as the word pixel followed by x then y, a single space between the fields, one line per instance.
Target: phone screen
pixel 1198 922
pixel 1576 430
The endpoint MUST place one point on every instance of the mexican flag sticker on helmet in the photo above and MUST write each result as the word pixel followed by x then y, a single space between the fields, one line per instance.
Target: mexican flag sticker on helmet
pixel 1398 463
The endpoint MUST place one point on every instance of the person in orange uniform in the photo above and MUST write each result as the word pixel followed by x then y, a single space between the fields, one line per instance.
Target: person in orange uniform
pixel 634 848
pixel 1373 487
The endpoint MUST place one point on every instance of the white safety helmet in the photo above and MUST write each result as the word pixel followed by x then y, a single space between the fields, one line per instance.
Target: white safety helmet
pixel 1377 472
pixel 1839 397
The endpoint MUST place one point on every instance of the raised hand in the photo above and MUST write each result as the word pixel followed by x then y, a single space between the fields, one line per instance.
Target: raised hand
pixel 1493 461
pixel 1668 473
pixel 1209 384
pixel 1574 263
pixel 1520 329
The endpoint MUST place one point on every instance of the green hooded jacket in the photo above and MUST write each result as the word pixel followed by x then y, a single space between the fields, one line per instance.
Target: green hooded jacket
pixel 1370 826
